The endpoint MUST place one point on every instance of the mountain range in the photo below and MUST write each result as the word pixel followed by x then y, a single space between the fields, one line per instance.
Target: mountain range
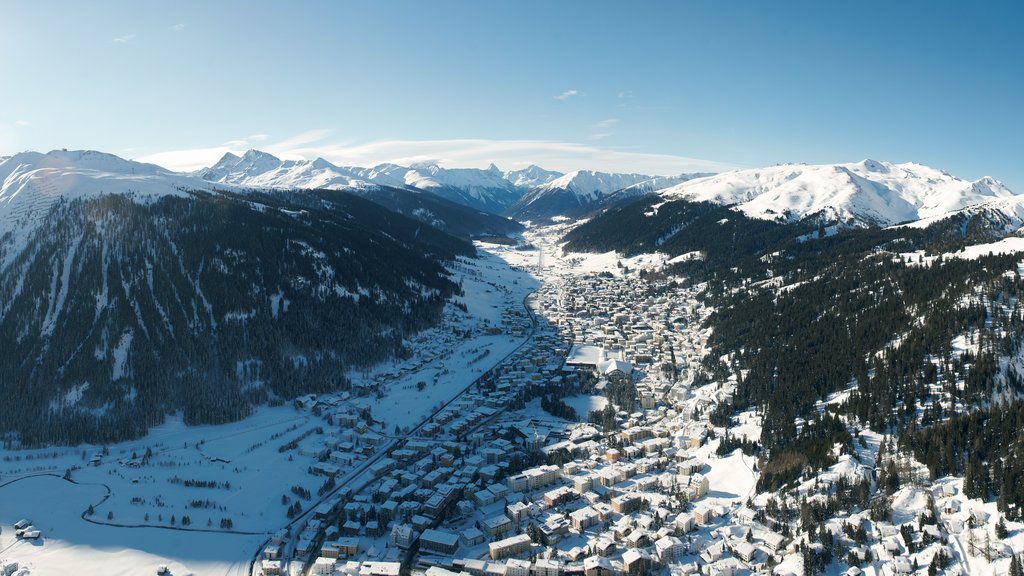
pixel 862 193
pixel 128 291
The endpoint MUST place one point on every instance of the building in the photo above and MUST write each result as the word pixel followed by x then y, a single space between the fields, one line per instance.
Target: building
pixel 439 541
pixel 472 537
pixel 402 536
pixel 584 518
pixel 509 546
pixel 517 567
pixel 545 567
pixel 744 550
pixel 597 566
pixel 669 548
pixel 497 526
pixel 636 562
pixel 625 504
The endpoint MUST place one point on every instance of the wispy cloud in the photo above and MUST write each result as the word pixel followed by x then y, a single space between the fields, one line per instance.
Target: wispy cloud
pixel 568 94
pixel 247 142
pixel 625 94
pixel 178 27
pixel 21 123
pixel 602 128
pixel 124 39
pixel 509 154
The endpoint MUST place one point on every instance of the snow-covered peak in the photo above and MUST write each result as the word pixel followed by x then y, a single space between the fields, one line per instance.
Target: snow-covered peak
pixel 588 185
pixel 531 177
pixel 866 192
pixel 258 169
pixel 31 183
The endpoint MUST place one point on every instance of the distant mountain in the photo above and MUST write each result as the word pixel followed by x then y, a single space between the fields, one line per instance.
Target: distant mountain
pixel 257 169
pixel 384 185
pixel 570 192
pixel 128 291
pixel 861 193
pixel 629 193
pixel 531 177
pixel 486 190
pixel 528 193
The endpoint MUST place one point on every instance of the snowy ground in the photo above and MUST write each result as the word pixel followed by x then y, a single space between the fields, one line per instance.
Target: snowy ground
pixel 242 469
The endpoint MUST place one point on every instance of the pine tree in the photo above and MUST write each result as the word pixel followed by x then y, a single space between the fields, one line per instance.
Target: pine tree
pixel 1001 531
pixel 1015 566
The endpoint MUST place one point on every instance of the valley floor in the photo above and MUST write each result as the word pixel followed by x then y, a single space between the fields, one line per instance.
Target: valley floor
pixel 230 481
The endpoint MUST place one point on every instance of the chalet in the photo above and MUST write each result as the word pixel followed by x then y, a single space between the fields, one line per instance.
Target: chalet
pixel 597 566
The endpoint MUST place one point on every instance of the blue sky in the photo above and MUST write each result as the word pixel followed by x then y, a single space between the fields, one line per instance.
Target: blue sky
pixel 654 87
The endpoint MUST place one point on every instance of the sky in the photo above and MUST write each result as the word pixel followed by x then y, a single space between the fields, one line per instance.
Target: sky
pixel 651 87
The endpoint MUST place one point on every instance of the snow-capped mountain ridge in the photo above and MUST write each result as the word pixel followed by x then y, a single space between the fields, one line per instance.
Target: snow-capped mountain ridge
pixel 869 192
pixel 577 192
pixel 490 189
pixel 31 183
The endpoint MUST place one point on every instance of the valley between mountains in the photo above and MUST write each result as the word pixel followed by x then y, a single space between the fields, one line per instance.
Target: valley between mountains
pixel 291 367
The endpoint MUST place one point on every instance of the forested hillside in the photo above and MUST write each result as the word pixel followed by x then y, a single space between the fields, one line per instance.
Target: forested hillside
pixel 119 311
pixel 892 327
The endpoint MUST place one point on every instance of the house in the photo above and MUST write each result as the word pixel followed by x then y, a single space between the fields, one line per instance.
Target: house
pixel 902 565
pixel 597 566
pixel 636 562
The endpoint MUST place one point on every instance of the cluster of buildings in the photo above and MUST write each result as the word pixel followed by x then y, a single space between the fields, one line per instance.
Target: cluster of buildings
pixel 480 490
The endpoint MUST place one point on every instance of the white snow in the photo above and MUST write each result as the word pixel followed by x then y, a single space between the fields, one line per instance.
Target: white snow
pixel 31 183
pixel 868 192
pixel 124 345
pixel 1010 245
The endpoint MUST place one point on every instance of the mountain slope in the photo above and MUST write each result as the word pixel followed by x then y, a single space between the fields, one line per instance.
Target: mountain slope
pixel 860 193
pixel 120 304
